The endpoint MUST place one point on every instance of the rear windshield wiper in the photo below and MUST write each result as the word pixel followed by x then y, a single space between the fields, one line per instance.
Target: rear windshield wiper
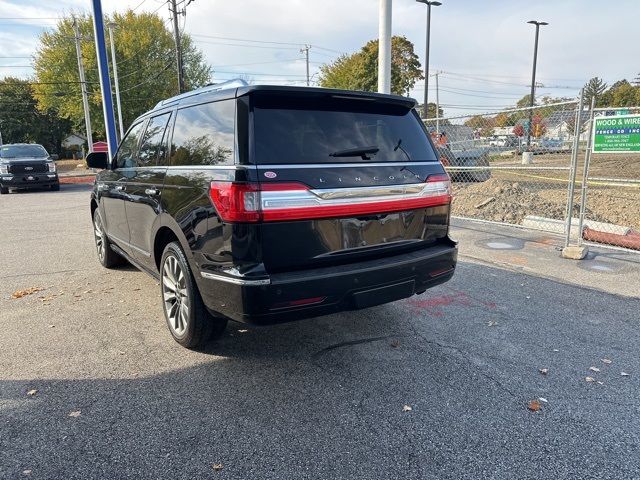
pixel 356 152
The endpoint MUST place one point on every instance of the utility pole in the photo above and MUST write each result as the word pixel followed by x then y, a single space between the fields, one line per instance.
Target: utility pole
pixel 176 32
pixel 429 4
pixel 384 47
pixel 83 86
pixel 111 25
pixel 533 80
pixel 306 51
pixel 437 104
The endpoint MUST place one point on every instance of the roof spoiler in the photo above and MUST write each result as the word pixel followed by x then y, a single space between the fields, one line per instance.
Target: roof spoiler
pixel 213 87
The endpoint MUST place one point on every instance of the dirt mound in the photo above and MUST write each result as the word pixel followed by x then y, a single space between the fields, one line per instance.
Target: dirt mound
pixel 503 201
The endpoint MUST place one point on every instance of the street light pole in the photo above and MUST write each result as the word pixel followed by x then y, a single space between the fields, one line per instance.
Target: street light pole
pixel 533 80
pixel 111 25
pixel 384 47
pixel 429 4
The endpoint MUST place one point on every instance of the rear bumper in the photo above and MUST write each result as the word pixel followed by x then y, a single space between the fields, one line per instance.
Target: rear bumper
pixel 23 180
pixel 329 289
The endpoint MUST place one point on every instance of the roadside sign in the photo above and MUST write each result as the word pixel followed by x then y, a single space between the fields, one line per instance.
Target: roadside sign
pixel 617 134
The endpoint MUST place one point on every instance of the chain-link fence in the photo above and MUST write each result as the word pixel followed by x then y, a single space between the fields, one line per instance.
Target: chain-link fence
pixel 612 181
pixel 519 166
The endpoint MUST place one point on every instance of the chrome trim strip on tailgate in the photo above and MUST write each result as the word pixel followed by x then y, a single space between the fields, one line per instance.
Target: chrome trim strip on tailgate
pixel 279 199
pixel 235 280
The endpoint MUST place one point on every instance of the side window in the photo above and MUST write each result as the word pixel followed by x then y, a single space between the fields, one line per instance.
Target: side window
pixel 204 134
pixel 152 145
pixel 126 156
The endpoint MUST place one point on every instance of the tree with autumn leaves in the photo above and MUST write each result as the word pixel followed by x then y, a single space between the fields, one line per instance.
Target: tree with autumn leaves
pixel 359 71
pixel 146 67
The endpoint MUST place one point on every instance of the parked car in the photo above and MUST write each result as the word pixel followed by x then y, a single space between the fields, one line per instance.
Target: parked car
pixel 470 165
pixel 266 204
pixel 26 165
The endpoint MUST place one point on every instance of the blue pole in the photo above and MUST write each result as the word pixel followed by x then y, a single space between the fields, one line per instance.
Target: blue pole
pixel 105 83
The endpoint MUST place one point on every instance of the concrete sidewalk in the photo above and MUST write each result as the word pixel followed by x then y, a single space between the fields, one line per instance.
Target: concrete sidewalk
pixel 538 253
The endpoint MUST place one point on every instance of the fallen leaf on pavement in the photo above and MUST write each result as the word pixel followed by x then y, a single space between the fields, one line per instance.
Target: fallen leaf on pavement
pixel 32 392
pixel 25 292
pixel 606 361
pixel 75 413
pixel 395 344
pixel 534 405
pixel 594 369
pixel 624 374
pixel 406 408
pixel 544 371
pixel 590 379
pixel 218 466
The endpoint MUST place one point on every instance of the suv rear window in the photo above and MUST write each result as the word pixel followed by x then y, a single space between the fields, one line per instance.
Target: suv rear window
pixel 313 130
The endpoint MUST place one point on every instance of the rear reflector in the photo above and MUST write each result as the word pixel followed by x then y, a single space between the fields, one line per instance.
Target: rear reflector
pixel 299 303
pixel 272 202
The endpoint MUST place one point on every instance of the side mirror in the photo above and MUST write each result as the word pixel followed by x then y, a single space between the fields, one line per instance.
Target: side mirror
pixel 54 156
pixel 98 160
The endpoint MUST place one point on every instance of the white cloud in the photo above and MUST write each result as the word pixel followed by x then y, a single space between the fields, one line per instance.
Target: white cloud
pixel 488 38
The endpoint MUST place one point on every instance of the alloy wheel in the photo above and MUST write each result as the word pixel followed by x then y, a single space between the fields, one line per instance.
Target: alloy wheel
pixel 99 236
pixel 175 296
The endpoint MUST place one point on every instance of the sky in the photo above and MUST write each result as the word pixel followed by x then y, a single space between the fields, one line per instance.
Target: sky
pixel 483 49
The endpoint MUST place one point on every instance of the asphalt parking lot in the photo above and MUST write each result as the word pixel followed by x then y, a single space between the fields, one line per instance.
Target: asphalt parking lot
pixel 436 386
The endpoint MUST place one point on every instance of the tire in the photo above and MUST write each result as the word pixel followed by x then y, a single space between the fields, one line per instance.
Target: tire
pixel 55 187
pixel 4 190
pixel 106 256
pixel 188 320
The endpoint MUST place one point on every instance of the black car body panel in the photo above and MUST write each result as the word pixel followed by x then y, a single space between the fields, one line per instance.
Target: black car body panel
pixel 273 263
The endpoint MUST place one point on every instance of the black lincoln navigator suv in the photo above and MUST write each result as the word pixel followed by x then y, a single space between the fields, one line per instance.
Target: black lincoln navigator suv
pixel 266 204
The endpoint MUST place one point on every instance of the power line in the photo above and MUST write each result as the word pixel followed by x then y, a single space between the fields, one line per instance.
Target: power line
pixel 261 74
pixel 245 45
pixel 138 6
pixel 245 40
pixel 150 79
pixel 261 63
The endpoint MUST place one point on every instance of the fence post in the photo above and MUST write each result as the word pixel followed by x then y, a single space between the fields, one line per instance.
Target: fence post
pixel 585 172
pixel 574 168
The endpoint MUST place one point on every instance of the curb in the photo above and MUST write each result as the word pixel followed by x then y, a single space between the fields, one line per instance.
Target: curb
pixel 83 179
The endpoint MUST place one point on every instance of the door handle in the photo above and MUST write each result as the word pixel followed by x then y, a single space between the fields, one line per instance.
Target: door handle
pixel 152 191
pixel 120 188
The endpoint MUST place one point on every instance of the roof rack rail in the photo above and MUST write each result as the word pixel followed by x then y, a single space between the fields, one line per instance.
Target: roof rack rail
pixel 212 87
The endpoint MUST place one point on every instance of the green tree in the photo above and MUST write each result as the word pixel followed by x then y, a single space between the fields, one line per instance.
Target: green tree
pixel 146 67
pixel 626 95
pixel 22 121
pixel 431 111
pixel 594 88
pixel 359 71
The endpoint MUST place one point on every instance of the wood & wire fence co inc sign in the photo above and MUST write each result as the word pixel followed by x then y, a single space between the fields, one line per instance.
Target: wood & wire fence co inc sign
pixel 617 134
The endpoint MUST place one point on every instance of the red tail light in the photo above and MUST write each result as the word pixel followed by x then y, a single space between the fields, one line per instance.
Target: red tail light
pixel 272 202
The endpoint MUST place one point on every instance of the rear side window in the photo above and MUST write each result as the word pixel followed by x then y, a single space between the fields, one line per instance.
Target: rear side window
pixel 325 130
pixel 204 134
pixel 151 147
